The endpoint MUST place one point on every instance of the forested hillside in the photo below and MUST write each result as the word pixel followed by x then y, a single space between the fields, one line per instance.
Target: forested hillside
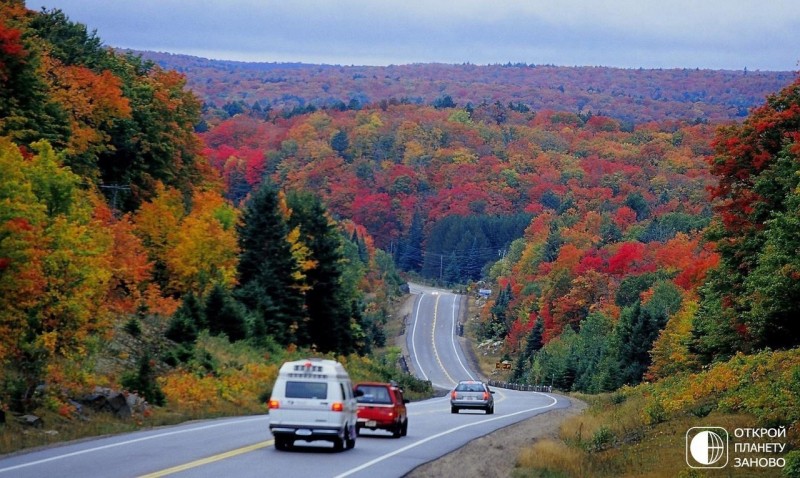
pixel 122 263
pixel 598 316
pixel 721 350
pixel 447 191
pixel 634 225
pixel 658 252
pixel 628 95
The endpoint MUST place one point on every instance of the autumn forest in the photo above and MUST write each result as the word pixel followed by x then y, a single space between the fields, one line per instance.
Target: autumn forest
pixel 635 226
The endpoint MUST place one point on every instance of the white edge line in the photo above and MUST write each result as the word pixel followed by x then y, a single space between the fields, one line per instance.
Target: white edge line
pixel 433 437
pixel 418 365
pixel 123 443
pixel 453 340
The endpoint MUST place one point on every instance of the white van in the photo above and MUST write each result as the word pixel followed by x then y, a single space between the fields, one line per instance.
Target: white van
pixel 313 400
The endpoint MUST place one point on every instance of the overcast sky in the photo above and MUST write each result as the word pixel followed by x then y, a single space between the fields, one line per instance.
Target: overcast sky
pixel 714 34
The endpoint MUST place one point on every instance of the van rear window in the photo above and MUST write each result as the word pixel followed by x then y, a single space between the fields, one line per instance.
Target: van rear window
pixel 306 390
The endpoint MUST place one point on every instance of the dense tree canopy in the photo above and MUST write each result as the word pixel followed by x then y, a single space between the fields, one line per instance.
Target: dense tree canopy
pixel 752 300
pixel 110 216
pixel 280 224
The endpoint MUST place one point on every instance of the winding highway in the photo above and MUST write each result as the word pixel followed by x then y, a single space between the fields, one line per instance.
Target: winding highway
pixel 433 343
pixel 242 446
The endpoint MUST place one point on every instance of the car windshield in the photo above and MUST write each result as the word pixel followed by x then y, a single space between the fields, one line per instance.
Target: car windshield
pixel 469 387
pixel 306 390
pixel 373 394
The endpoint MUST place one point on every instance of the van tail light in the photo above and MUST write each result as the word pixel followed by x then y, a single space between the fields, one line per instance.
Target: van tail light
pixel 337 407
pixel 486 395
pixel 274 404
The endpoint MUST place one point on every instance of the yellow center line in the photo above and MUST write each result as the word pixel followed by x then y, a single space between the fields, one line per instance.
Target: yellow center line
pixel 433 339
pixel 210 459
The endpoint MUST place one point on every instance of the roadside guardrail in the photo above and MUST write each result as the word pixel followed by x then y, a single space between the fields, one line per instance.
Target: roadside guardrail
pixel 521 386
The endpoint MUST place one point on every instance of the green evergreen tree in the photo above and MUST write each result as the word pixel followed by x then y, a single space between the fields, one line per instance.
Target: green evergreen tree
pixel 143 381
pixel 452 270
pixel 181 329
pixel 328 304
pixel 535 340
pixel 410 249
pixel 27 114
pixel 225 315
pixel 268 286
pixel 340 143
pixel 639 327
pixel 591 351
pixel 533 343
pixel 553 244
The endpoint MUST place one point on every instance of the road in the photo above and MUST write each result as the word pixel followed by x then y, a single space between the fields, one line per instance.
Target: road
pixel 433 346
pixel 242 446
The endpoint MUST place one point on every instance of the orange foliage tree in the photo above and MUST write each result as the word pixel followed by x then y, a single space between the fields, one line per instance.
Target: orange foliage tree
pixel 56 273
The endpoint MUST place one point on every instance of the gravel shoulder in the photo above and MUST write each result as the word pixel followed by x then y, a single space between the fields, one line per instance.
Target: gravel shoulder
pixel 495 455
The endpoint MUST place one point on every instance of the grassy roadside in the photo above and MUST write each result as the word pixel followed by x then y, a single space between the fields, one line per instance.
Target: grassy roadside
pixel 641 431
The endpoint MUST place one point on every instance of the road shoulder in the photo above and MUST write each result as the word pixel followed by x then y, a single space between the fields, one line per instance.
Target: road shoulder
pixel 495 455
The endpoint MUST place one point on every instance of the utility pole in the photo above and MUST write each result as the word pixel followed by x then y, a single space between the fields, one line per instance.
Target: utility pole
pixel 116 188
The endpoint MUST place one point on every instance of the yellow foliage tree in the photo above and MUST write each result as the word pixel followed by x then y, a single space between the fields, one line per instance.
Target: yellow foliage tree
pixel 205 251
pixel 670 352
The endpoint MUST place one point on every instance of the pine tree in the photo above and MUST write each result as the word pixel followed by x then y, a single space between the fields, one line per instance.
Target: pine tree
pixel 639 327
pixel 143 381
pixel 501 320
pixel 410 250
pixel 267 270
pixel 533 344
pixel 328 306
pixel 535 340
pixel 225 315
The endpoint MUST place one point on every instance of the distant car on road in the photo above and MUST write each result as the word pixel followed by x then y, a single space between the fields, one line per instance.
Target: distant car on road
pixel 472 394
pixel 381 406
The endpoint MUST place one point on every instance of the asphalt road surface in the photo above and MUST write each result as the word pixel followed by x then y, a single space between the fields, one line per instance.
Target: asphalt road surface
pixel 243 446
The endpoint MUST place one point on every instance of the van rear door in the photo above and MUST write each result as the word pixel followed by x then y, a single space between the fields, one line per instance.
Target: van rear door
pixel 306 403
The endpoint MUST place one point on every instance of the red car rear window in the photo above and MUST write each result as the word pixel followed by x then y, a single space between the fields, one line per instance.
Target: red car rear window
pixel 374 394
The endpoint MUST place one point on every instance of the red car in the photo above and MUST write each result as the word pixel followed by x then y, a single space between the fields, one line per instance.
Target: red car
pixel 381 406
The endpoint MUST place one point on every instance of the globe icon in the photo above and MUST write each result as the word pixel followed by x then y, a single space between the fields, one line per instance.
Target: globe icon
pixel 707 447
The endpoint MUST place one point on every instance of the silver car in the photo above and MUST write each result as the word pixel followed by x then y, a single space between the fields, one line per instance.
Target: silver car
pixel 472 394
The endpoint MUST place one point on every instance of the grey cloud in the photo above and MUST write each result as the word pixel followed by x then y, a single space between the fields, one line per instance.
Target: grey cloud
pixel 625 33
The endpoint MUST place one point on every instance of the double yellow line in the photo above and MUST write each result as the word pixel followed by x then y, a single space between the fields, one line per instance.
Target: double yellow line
pixel 433 340
pixel 210 459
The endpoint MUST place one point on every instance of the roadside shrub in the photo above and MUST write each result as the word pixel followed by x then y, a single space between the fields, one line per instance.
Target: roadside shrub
pixel 143 381
pixel 602 439
pixel 702 410
pixel 792 468
pixel 655 412
pixel 133 327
